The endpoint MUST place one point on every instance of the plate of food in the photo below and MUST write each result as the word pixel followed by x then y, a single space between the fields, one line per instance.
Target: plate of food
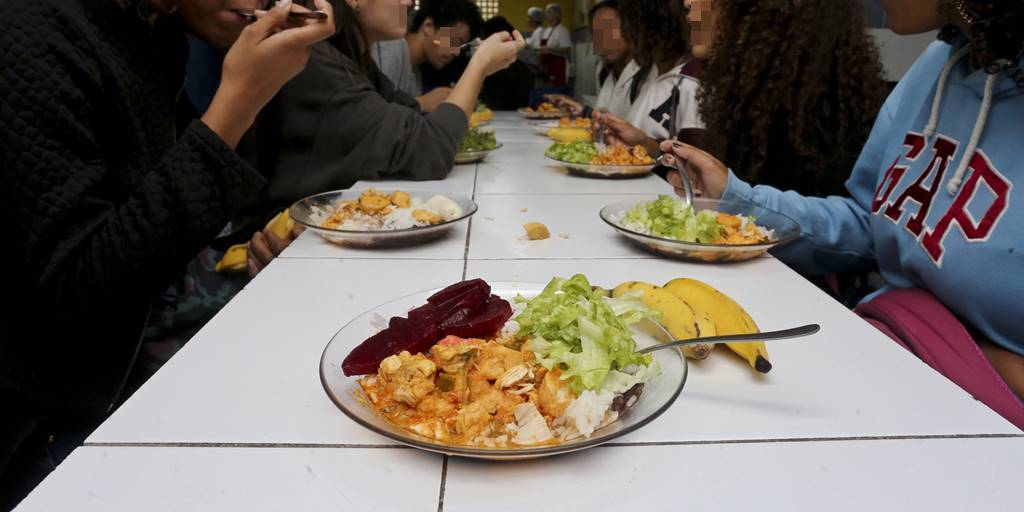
pixel 709 230
pixel 503 370
pixel 476 145
pixel 590 159
pixel 481 116
pixel 381 218
pixel 543 111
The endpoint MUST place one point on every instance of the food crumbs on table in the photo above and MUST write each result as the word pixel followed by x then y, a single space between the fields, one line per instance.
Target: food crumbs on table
pixel 563 236
pixel 536 231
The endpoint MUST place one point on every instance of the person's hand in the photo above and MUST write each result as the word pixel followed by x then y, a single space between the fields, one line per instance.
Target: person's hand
pixel 618 130
pixel 498 51
pixel 265 246
pixel 564 102
pixel 429 101
pixel 268 53
pixel 707 175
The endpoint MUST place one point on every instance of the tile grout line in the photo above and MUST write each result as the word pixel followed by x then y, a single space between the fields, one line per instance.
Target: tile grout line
pixel 641 444
pixel 909 437
pixel 444 479
pixel 145 444
pixel 469 225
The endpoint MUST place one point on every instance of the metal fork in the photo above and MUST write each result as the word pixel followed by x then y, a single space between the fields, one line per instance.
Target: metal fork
pixel 683 175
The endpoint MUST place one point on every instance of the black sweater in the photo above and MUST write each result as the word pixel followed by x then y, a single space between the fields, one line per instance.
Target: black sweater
pixel 107 195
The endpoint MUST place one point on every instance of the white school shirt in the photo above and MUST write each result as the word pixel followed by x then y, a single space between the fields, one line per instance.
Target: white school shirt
pixel 651 112
pixel 614 93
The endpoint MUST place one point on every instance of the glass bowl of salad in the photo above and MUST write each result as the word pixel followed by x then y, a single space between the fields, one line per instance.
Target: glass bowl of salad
pixel 709 231
pixel 476 145
pixel 617 393
pixel 593 160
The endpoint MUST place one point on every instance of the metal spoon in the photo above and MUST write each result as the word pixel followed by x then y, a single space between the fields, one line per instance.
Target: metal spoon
pixel 795 332
pixel 294 16
pixel 470 43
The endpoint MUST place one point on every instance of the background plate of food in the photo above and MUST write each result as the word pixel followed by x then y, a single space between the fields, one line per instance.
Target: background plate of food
pixel 592 160
pixel 543 111
pixel 381 218
pixel 503 371
pixel 710 230
pixel 476 145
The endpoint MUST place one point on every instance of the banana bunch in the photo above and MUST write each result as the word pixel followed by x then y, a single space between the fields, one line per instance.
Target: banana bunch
pixel 570 134
pixel 679 318
pixel 236 258
pixel 693 309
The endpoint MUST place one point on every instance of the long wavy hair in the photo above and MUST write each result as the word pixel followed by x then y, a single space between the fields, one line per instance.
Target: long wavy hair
pixel 791 91
pixel 996 33
pixel 654 29
pixel 350 39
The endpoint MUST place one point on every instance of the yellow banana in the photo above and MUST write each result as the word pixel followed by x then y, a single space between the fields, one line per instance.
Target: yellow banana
pixel 234 260
pixel 236 257
pixel 677 317
pixel 570 134
pixel 729 317
pixel 281 225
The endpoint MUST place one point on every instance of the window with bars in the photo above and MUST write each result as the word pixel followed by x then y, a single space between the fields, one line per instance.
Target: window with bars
pixel 488 8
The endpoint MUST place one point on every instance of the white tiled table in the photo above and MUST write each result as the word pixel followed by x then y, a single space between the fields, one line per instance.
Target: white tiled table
pixel 238 418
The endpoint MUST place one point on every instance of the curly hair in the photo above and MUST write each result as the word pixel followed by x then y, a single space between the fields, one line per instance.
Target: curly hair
pixel 791 91
pixel 655 30
pixel 996 32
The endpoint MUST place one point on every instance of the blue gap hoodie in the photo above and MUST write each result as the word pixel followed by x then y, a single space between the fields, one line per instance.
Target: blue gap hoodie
pixel 937 196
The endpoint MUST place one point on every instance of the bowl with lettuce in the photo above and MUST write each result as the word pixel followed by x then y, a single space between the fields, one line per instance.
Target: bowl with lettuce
pixel 476 145
pixel 575 376
pixel 596 160
pixel 708 230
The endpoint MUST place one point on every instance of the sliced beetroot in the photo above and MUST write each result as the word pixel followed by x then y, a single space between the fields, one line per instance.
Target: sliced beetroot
pixel 458 289
pixel 470 299
pixel 465 309
pixel 402 334
pixel 484 321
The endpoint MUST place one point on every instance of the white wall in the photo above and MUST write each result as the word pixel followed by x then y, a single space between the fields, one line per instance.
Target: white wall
pixel 899 52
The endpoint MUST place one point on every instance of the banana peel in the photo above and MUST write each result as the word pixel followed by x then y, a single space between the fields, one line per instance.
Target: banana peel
pixel 236 258
pixel 728 317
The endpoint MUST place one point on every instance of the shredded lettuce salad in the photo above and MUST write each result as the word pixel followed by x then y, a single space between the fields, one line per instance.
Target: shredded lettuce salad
pixel 667 217
pixel 575 327
pixel 477 140
pixel 578 152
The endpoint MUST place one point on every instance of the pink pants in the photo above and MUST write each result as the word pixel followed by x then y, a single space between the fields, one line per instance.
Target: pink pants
pixel 923 325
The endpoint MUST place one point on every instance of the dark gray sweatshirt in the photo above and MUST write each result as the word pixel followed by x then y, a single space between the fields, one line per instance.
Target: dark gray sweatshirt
pixel 329 127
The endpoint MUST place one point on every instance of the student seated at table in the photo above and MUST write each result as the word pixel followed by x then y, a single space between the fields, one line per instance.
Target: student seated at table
pixel 111 185
pixel 508 89
pixel 615 72
pixel 663 94
pixel 935 200
pixel 438 26
pixel 341 120
pixel 789 107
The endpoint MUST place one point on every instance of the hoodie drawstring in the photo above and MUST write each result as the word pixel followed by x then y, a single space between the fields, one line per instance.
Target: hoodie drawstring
pixel 979 125
pixel 933 121
pixel 972 146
